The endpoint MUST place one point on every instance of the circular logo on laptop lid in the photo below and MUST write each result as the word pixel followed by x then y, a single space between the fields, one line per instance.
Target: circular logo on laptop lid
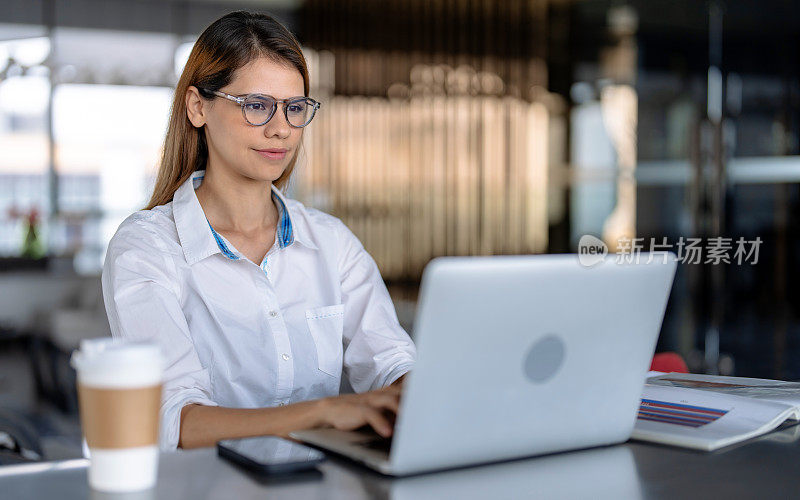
pixel 544 359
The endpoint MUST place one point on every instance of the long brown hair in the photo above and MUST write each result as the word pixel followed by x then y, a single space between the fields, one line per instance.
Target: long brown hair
pixel 226 45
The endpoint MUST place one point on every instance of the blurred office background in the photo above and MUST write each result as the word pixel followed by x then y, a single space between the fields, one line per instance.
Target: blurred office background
pixel 448 127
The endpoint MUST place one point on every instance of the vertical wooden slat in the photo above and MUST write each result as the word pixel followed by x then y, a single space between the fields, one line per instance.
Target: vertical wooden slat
pixel 447 169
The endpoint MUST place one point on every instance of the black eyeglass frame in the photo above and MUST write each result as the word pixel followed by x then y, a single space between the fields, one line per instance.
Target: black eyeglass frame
pixel 240 100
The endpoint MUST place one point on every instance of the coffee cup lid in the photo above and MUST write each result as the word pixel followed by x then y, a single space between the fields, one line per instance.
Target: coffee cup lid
pixel 111 352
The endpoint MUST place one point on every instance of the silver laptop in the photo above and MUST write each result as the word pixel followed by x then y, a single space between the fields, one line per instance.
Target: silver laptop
pixel 519 356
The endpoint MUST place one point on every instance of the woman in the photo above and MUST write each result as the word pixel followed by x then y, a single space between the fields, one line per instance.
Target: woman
pixel 260 304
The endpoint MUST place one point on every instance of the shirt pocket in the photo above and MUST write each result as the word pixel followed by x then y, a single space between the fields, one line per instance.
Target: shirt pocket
pixel 326 325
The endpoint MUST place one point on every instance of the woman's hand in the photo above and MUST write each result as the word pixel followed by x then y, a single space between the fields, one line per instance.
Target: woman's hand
pixel 205 425
pixel 351 411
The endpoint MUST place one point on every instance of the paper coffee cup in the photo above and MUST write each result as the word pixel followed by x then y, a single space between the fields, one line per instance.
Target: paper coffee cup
pixel 119 396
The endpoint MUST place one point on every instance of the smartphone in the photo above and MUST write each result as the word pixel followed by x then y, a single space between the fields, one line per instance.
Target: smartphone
pixel 269 455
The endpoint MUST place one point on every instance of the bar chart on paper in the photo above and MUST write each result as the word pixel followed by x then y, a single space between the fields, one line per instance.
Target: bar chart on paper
pixel 678 414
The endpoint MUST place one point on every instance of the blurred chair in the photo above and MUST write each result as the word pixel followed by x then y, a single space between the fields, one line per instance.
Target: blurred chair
pixel 53 312
pixel 668 362
pixel 60 331
pixel 19 442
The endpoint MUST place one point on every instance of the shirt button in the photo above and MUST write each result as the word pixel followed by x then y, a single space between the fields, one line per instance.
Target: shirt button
pixel 273 313
pixel 285 357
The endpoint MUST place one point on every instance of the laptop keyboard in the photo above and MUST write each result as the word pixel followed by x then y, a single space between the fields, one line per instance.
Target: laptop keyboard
pixel 379 443
pixel 373 440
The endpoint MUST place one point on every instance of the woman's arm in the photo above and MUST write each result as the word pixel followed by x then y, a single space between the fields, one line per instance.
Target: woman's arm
pixel 205 425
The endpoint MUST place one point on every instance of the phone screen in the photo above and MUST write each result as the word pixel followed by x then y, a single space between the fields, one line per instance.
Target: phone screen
pixel 273 451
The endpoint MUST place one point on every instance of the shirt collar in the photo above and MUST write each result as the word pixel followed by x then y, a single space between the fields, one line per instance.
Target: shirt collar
pixel 285 230
pixel 199 240
pixel 290 227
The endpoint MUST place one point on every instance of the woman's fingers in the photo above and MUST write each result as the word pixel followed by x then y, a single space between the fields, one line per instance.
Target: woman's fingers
pixel 373 408
pixel 378 422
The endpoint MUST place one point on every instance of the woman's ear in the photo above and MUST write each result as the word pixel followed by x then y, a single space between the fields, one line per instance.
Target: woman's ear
pixel 195 107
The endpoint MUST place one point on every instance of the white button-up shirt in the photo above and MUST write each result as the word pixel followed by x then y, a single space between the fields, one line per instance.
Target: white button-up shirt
pixel 241 335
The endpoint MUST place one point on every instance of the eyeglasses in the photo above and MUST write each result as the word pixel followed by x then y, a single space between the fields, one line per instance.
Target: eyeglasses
pixel 258 109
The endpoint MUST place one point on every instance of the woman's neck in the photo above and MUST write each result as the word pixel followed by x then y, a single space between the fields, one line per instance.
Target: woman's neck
pixel 234 203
